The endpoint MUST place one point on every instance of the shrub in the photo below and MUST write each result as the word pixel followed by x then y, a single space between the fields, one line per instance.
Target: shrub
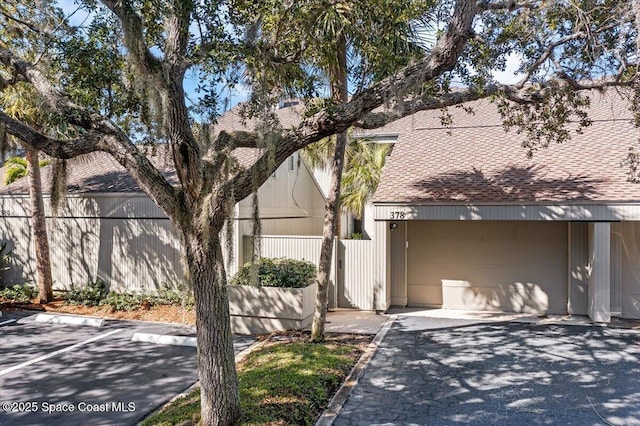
pixel 356 236
pixel 97 293
pixel 18 293
pixel 123 301
pixel 175 294
pixel 282 272
pixel 90 295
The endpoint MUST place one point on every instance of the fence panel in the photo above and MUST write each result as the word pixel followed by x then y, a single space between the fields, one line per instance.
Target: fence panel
pixel 294 247
pixel 359 274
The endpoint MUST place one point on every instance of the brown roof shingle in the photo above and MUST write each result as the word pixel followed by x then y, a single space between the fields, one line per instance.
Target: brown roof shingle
pixel 100 173
pixel 476 161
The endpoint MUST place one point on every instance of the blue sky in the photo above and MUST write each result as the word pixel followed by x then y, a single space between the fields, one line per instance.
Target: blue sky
pixel 241 92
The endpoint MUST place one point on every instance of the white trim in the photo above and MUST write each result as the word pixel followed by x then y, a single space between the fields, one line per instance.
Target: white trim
pixel 605 212
pixel 313 178
pixel 379 138
pixel 85 195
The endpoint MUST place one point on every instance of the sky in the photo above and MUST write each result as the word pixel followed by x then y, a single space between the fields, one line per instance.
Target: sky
pixel 241 92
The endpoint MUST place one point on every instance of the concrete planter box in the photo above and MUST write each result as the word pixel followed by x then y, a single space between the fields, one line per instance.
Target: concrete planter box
pixel 259 310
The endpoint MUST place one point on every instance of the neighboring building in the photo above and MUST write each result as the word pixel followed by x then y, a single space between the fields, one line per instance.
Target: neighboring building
pixel 109 229
pixel 471 223
pixel 462 219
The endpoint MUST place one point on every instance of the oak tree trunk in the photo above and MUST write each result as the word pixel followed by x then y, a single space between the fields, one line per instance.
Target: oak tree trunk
pixel 39 229
pixel 216 361
pixel 332 206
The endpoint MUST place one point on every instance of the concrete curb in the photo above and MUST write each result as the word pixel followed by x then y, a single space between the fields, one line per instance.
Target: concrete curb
pixel 337 402
pixel 69 320
pixel 164 339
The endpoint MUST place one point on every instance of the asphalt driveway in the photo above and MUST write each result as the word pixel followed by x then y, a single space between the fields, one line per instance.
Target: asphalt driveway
pixel 440 372
pixel 56 374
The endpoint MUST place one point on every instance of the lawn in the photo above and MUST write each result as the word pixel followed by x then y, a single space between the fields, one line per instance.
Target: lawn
pixel 288 381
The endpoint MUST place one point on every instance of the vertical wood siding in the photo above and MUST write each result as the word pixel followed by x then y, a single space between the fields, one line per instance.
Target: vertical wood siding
pixel 630 269
pixel 124 240
pixel 362 284
pixel 365 277
pixel 600 271
pixel 359 268
pixel 616 268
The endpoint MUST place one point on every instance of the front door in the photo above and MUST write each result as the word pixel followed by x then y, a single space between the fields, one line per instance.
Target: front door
pixel 398 232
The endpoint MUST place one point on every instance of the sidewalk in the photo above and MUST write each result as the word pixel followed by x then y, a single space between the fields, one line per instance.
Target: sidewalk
pixel 368 322
pixel 354 321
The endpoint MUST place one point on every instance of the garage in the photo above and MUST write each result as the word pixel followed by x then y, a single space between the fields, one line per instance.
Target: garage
pixel 513 266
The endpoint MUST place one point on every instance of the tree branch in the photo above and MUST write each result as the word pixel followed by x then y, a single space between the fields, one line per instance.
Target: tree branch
pixel 64 149
pixel 374 120
pixel 235 139
pixel 134 38
pixel 168 198
pixel 510 5
pixel 19 21
pixel 4 83
pixel 442 58
pixel 169 83
pixel 177 35
pixel 26 72
pixel 108 138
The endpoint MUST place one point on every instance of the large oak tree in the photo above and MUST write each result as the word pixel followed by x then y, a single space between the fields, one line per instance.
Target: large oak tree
pixel 564 48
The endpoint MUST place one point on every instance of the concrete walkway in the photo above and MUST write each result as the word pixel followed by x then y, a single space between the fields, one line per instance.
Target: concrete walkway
pixel 354 321
pixel 432 369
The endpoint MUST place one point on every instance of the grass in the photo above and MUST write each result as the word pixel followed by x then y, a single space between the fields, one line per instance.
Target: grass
pixel 286 382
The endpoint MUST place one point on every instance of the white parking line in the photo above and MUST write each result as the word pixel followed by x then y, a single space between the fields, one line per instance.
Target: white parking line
pixel 8 321
pixel 52 354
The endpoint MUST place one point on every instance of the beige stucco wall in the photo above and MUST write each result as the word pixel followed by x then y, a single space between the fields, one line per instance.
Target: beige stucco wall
pixel 488 265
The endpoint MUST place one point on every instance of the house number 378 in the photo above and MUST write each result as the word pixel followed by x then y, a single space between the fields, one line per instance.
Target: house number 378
pixel 397 215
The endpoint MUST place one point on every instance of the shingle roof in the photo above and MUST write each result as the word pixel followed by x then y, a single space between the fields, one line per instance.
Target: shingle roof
pixel 100 173
pixel 472 161
pixel 475 161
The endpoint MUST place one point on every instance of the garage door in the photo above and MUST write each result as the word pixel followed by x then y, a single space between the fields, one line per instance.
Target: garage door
pixel 488 265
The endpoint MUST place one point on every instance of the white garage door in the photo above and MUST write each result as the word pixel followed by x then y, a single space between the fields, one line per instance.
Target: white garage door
pixel 488 265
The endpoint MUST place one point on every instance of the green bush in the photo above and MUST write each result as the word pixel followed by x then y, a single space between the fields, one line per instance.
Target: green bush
pixel 18 293
pixel 97 293
pixel 282 272
pixel 123 301
pixel 90 295
pixel 176 294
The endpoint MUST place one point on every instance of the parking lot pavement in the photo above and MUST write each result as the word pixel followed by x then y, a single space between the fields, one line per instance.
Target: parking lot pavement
pixel 55 374
pixel 430 371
